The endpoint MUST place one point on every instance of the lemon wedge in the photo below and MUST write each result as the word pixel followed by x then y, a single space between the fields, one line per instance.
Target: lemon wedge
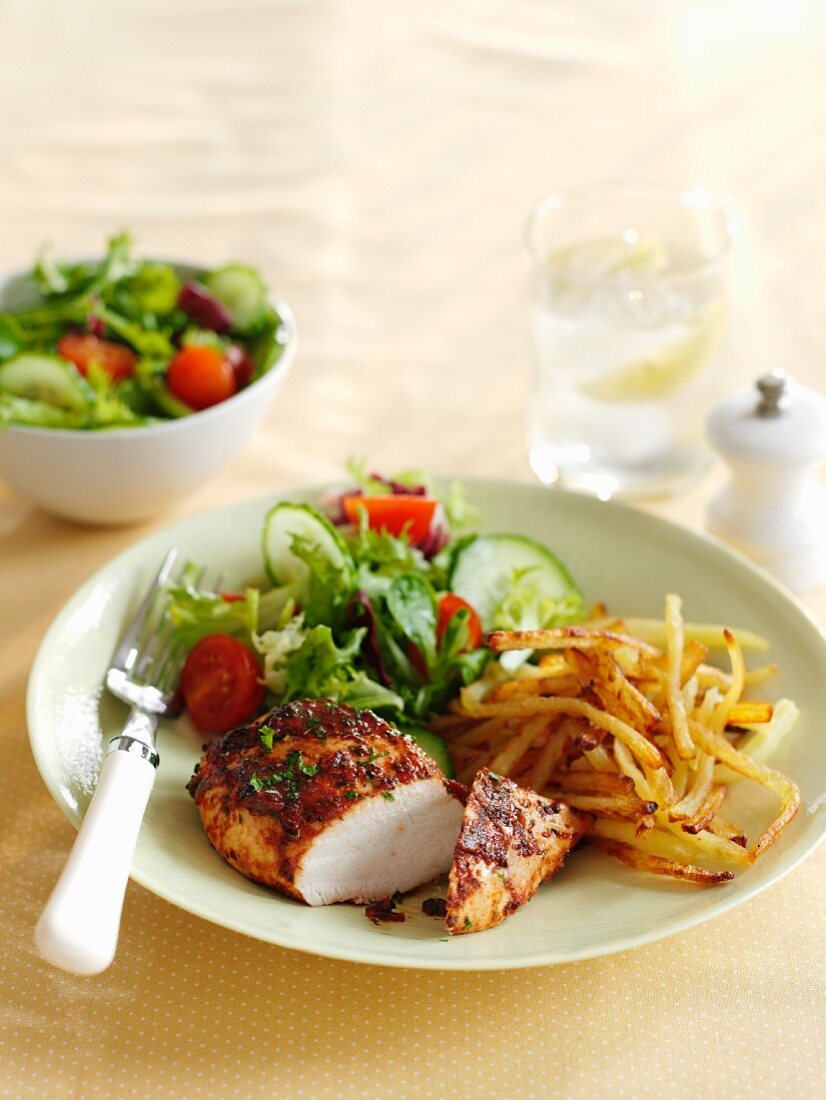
pixel 667 372
pixel 606 257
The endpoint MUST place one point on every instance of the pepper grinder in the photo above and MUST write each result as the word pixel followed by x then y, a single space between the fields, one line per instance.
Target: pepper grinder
pixel 773 507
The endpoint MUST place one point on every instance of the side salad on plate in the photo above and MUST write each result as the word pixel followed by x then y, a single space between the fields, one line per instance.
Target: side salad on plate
pixel 379 601
pixel 122 341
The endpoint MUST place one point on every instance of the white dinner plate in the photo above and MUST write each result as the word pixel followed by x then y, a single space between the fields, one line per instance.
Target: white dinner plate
pixel 624 557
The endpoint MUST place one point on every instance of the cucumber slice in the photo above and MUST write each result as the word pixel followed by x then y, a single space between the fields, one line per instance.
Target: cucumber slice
pixel 286 522
pixel 242 290
pixel 37 414
pixel 435 748
pixel 514 582
pixel 46 378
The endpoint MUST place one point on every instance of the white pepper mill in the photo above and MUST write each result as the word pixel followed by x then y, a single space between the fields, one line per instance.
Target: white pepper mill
pixel 774 506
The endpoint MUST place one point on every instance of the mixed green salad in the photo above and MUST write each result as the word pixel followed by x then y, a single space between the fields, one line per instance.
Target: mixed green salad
pixel 380 601
pixel 124 342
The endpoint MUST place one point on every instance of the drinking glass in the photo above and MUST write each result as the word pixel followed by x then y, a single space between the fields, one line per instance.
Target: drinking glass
pixel 628 305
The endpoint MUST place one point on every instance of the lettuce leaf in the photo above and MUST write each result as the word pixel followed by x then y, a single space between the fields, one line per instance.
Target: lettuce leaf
pixel 12 338
pixel 365 694
pixel 327 590
pixel 194 614
pixel 320 669
pixel 524 607
pixel 154 288
pixel 276 647
pixel 411 604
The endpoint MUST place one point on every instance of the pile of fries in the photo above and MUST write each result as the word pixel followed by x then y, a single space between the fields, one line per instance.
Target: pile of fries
pixel 625 720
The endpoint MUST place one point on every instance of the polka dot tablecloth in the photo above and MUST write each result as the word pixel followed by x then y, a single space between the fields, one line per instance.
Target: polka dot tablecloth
pixel 377 161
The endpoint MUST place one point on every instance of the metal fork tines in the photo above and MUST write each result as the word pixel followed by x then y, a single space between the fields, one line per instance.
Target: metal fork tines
pixel 142 667
pixel 146 665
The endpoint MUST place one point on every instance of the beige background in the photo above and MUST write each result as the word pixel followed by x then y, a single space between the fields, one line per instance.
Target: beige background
pixel 377 160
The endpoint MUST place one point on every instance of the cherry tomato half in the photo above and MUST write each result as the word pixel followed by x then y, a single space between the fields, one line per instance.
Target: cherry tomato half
pixel 394 514
pixel 83 348
pixel 220 684
pixel 449 604
pixel 201 376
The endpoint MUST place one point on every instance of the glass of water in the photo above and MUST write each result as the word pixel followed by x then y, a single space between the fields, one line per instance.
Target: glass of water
pixel 628 304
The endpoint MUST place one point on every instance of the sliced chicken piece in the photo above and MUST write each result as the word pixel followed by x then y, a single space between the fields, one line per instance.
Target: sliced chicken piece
pixel 511 841
pixel 327 804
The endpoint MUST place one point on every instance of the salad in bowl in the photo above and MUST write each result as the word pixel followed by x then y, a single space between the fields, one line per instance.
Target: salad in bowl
pixel 124 342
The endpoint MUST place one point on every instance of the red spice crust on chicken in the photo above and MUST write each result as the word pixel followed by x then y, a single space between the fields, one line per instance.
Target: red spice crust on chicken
pixel 341 807
pixel 511 841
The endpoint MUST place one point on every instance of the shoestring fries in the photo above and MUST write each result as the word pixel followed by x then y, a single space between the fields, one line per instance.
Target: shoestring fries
pixel 625 719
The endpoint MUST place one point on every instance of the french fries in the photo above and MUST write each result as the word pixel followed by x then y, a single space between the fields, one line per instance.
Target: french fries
pixel 625 720
pixel 674 680
pixel 653 631
pixel 750 713
pixel 660 865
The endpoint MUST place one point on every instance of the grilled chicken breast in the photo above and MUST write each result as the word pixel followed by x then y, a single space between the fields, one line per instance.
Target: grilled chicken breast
pixel 511 841
pixel 327 804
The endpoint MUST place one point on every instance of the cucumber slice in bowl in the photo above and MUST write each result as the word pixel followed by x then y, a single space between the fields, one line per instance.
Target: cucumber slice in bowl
pixel 21 412
pixel 242 290
pixel 515 583
pixel 46 378
pixel 287 523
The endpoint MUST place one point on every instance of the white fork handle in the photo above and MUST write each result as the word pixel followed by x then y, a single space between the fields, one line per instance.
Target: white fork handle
pixel 78 929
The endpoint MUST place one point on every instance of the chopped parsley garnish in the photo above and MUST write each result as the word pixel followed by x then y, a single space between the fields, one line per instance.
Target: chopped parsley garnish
pixel 315 727
pixel 372 757
pixel 294 769
pixel 350 794
pixel 267 733
pixel 468 925
pixel 388 796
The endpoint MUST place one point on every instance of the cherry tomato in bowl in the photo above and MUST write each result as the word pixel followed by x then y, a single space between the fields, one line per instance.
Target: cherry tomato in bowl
pixel 221 684
pixel 84 348
pixel 201 376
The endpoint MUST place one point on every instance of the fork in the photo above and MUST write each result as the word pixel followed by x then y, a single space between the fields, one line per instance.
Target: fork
pixel 78 929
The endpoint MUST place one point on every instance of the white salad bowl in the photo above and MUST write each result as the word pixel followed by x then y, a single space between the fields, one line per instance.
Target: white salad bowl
pixel 122 475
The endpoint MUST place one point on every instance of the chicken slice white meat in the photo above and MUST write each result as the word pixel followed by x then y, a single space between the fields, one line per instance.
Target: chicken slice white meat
pixel 327 804
pixel 511 841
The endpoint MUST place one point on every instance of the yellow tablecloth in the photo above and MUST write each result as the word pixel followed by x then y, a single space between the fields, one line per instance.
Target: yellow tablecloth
pixel 377 160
